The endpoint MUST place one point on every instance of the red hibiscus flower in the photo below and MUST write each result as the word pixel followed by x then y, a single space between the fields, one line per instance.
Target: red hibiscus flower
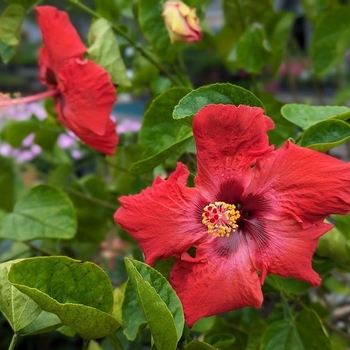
pixel 253 211
pixel 85 94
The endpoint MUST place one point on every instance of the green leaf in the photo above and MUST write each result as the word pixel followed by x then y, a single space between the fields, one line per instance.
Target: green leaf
pixel 199 345
pixel 330 39
pixel 24 3
pixel 160 305
pixel 257 329
pixel 212 94
pixel 44 323
pixel 283 128
pixel 303 332
pixel 10 30
pixel 91 215
pixel 224 334
pixel 79 293
pixel 123 181
pixel 7 187
pixel 24 315
pixel 108 9
pixel 289 285
pixel 278 31
pixel 47 133
pixel 153 27
pixel 118 297
pixel 15 131
pixel 325 135
pixel 241 13
pixel 45 212
pixel 104 50
pixel 17 307
pixel 334 245
pixel 94 345
pixel 7 52
pixel 226 40
pixel 305 116
pixel 252 50
pixel 159 125
pixel 342 223
pixel 133 319
pixel 314 9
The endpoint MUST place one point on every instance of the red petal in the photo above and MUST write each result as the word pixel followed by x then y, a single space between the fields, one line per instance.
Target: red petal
pixel 211 284
pixel 229 140
pixel 288 248
pixel 104 143
pixel 165 218
pixel 302 183
pixel 88 96
pixel 60 38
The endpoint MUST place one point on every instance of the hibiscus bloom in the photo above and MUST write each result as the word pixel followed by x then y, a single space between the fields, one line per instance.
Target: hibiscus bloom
pixel 253 211
pixel 82 90
pixel 85 93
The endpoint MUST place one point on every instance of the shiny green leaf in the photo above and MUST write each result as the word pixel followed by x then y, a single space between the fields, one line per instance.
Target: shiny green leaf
pixel 252 51
pixel 212 94
pixel 159 125
pixel 79 293
pixel 160 305
pixel 45 212
pixel 305 115
pixel 104 50
pixel 325 135
pixel 133 319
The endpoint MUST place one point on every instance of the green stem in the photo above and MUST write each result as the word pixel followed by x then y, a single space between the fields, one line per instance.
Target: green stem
pixel 115 341
pixel 92 199
pixel 13 341
pixel 85 344
pixel 131 41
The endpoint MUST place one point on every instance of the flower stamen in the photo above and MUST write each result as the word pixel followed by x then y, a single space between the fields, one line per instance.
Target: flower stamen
pixel 220 218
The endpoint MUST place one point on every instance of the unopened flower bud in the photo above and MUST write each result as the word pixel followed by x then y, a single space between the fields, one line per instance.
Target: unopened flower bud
pixel 181 22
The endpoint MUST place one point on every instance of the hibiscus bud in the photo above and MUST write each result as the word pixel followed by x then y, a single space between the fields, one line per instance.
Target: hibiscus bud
pixel 181 22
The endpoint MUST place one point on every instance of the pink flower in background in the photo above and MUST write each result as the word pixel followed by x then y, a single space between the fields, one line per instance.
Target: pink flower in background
pixel 181 22
pixel 128 125
pixel 28 150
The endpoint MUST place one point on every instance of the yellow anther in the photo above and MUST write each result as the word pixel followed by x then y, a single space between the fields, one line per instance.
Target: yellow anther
pixel 220 218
